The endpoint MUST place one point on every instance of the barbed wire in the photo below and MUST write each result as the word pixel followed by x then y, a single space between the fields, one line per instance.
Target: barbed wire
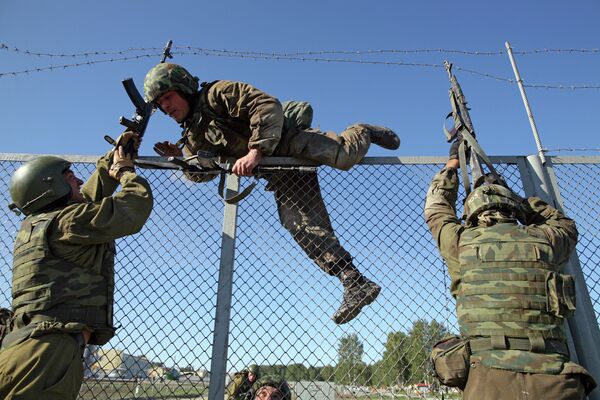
pixel 571 149
pixel 303 53
pixel 298 56
pixel 79 64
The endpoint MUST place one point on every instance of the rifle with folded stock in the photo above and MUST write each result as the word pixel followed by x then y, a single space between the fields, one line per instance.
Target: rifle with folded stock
pixel 464 133
pixel 143 110
pixel 205 162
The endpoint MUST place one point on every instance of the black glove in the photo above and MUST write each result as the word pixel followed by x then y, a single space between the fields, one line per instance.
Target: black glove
pixel 453 153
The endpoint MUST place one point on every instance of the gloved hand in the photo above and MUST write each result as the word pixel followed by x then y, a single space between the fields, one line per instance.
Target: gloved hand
pixel 122 162
pixel 125 138
pixel 167 149
pixel 453 153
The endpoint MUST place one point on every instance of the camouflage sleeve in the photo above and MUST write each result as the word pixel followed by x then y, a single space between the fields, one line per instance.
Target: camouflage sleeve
pixel 100 184
pixel 558 228
pixel 440 215
pixel 264 112
pixel 109 218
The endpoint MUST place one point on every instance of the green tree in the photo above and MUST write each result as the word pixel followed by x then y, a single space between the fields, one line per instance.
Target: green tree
pixel 350 368
pixel 422 337
pixel 328 373
pixel 296 372
pixel 393 369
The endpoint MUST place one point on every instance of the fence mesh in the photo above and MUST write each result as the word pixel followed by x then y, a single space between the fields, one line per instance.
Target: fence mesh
pixel 282 304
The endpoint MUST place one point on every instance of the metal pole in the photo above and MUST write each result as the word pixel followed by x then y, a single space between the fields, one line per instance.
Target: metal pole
pixel 218 364
pixel 583 334
pixel 536 135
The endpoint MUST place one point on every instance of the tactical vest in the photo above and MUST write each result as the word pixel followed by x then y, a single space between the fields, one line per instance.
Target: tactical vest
pixel 509 287
pixel 46 287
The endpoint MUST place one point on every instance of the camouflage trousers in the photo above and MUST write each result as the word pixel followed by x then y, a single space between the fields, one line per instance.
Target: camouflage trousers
pixel 47 367
pixel 497 384
pixel 298 195
pixel 303 213
pixel 341 151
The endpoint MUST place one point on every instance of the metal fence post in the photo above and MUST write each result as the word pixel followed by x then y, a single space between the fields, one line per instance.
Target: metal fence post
pixel 218 363
pixel 539 180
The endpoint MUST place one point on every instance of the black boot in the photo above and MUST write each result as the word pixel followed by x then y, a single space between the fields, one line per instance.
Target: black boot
pixel 382 136
pixel 358 292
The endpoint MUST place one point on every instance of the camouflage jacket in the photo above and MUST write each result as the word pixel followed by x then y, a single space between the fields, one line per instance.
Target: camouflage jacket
pixel 240 388
pixel 543 221
pixel 231 118
pixel 81 233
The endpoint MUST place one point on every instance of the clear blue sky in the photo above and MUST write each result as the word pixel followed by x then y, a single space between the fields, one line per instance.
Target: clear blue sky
pixel 69 111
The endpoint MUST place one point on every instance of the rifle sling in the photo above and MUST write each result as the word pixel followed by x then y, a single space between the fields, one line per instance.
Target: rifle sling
pixel 237 197
pixel 477 148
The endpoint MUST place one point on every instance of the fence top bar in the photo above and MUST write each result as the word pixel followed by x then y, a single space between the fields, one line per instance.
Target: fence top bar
pixel 274 161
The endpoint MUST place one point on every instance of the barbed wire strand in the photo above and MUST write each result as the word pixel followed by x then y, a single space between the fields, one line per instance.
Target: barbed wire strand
pixel 571 149
pixel 315 52
pixel 75 65
pixel 277 57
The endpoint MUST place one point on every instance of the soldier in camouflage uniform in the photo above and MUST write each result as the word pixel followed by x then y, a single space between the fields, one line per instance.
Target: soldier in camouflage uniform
pixel 511 298
pixel 241 386
pixel 63 269
pixel 272 388
pixel 234 119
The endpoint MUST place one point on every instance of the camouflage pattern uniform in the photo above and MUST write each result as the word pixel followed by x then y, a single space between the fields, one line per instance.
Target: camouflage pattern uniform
pixel 240 387
pixel 67 254
pixel 500 276
pixel 228 118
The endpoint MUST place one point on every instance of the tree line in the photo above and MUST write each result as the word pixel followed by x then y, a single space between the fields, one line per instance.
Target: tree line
pixel 405 360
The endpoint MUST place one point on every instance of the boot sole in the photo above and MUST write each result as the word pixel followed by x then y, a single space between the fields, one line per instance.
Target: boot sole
pixel 370 298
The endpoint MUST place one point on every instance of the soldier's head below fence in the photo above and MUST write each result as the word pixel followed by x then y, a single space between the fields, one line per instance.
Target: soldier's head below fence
pixel 272 388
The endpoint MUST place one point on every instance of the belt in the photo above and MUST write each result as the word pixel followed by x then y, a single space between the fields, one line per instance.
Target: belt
pixel 550 346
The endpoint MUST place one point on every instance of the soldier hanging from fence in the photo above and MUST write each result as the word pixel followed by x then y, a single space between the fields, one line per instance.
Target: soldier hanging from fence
pixel 505 262
pixel 234 119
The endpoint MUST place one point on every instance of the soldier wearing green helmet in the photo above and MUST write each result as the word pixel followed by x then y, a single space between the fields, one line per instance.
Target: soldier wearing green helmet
pixel 505 264
pixel 272 388
pixel 241 386
pixel 63 268
pixel 235 119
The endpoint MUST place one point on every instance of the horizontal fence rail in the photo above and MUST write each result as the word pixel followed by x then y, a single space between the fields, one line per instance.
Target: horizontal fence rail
pixel 280 303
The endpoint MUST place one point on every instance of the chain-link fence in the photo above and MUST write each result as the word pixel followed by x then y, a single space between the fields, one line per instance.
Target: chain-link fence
pixel 167 280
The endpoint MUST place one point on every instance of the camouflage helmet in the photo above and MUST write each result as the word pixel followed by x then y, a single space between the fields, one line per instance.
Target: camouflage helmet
pixel 278 383
pixel 492 197
pixel 167 76
pixel 253 368
pixel 39 183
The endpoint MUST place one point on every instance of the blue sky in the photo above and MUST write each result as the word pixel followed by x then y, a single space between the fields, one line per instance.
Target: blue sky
pixel 68 111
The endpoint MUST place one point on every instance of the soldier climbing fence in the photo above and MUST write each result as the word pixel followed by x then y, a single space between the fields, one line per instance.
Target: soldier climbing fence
pixel 205 290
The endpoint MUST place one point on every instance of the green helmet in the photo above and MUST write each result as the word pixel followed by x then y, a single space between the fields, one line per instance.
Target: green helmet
pixel 254 369
pixel 492 197
pixel 278 383
pixel 167 76
pixel 39 183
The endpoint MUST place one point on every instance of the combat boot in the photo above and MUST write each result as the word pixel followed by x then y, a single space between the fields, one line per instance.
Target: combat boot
pixel 382 136
pixel 358 292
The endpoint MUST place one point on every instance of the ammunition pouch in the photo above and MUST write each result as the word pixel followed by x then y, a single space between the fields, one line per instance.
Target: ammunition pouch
pixel 560 294
pixel 450 357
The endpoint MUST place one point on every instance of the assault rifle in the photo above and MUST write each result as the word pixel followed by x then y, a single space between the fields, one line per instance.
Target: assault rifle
pixel 207 163
pixel 143 111
pixel 464 132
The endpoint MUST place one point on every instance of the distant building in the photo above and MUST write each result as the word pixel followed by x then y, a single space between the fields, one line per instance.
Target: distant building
pixel 112 363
